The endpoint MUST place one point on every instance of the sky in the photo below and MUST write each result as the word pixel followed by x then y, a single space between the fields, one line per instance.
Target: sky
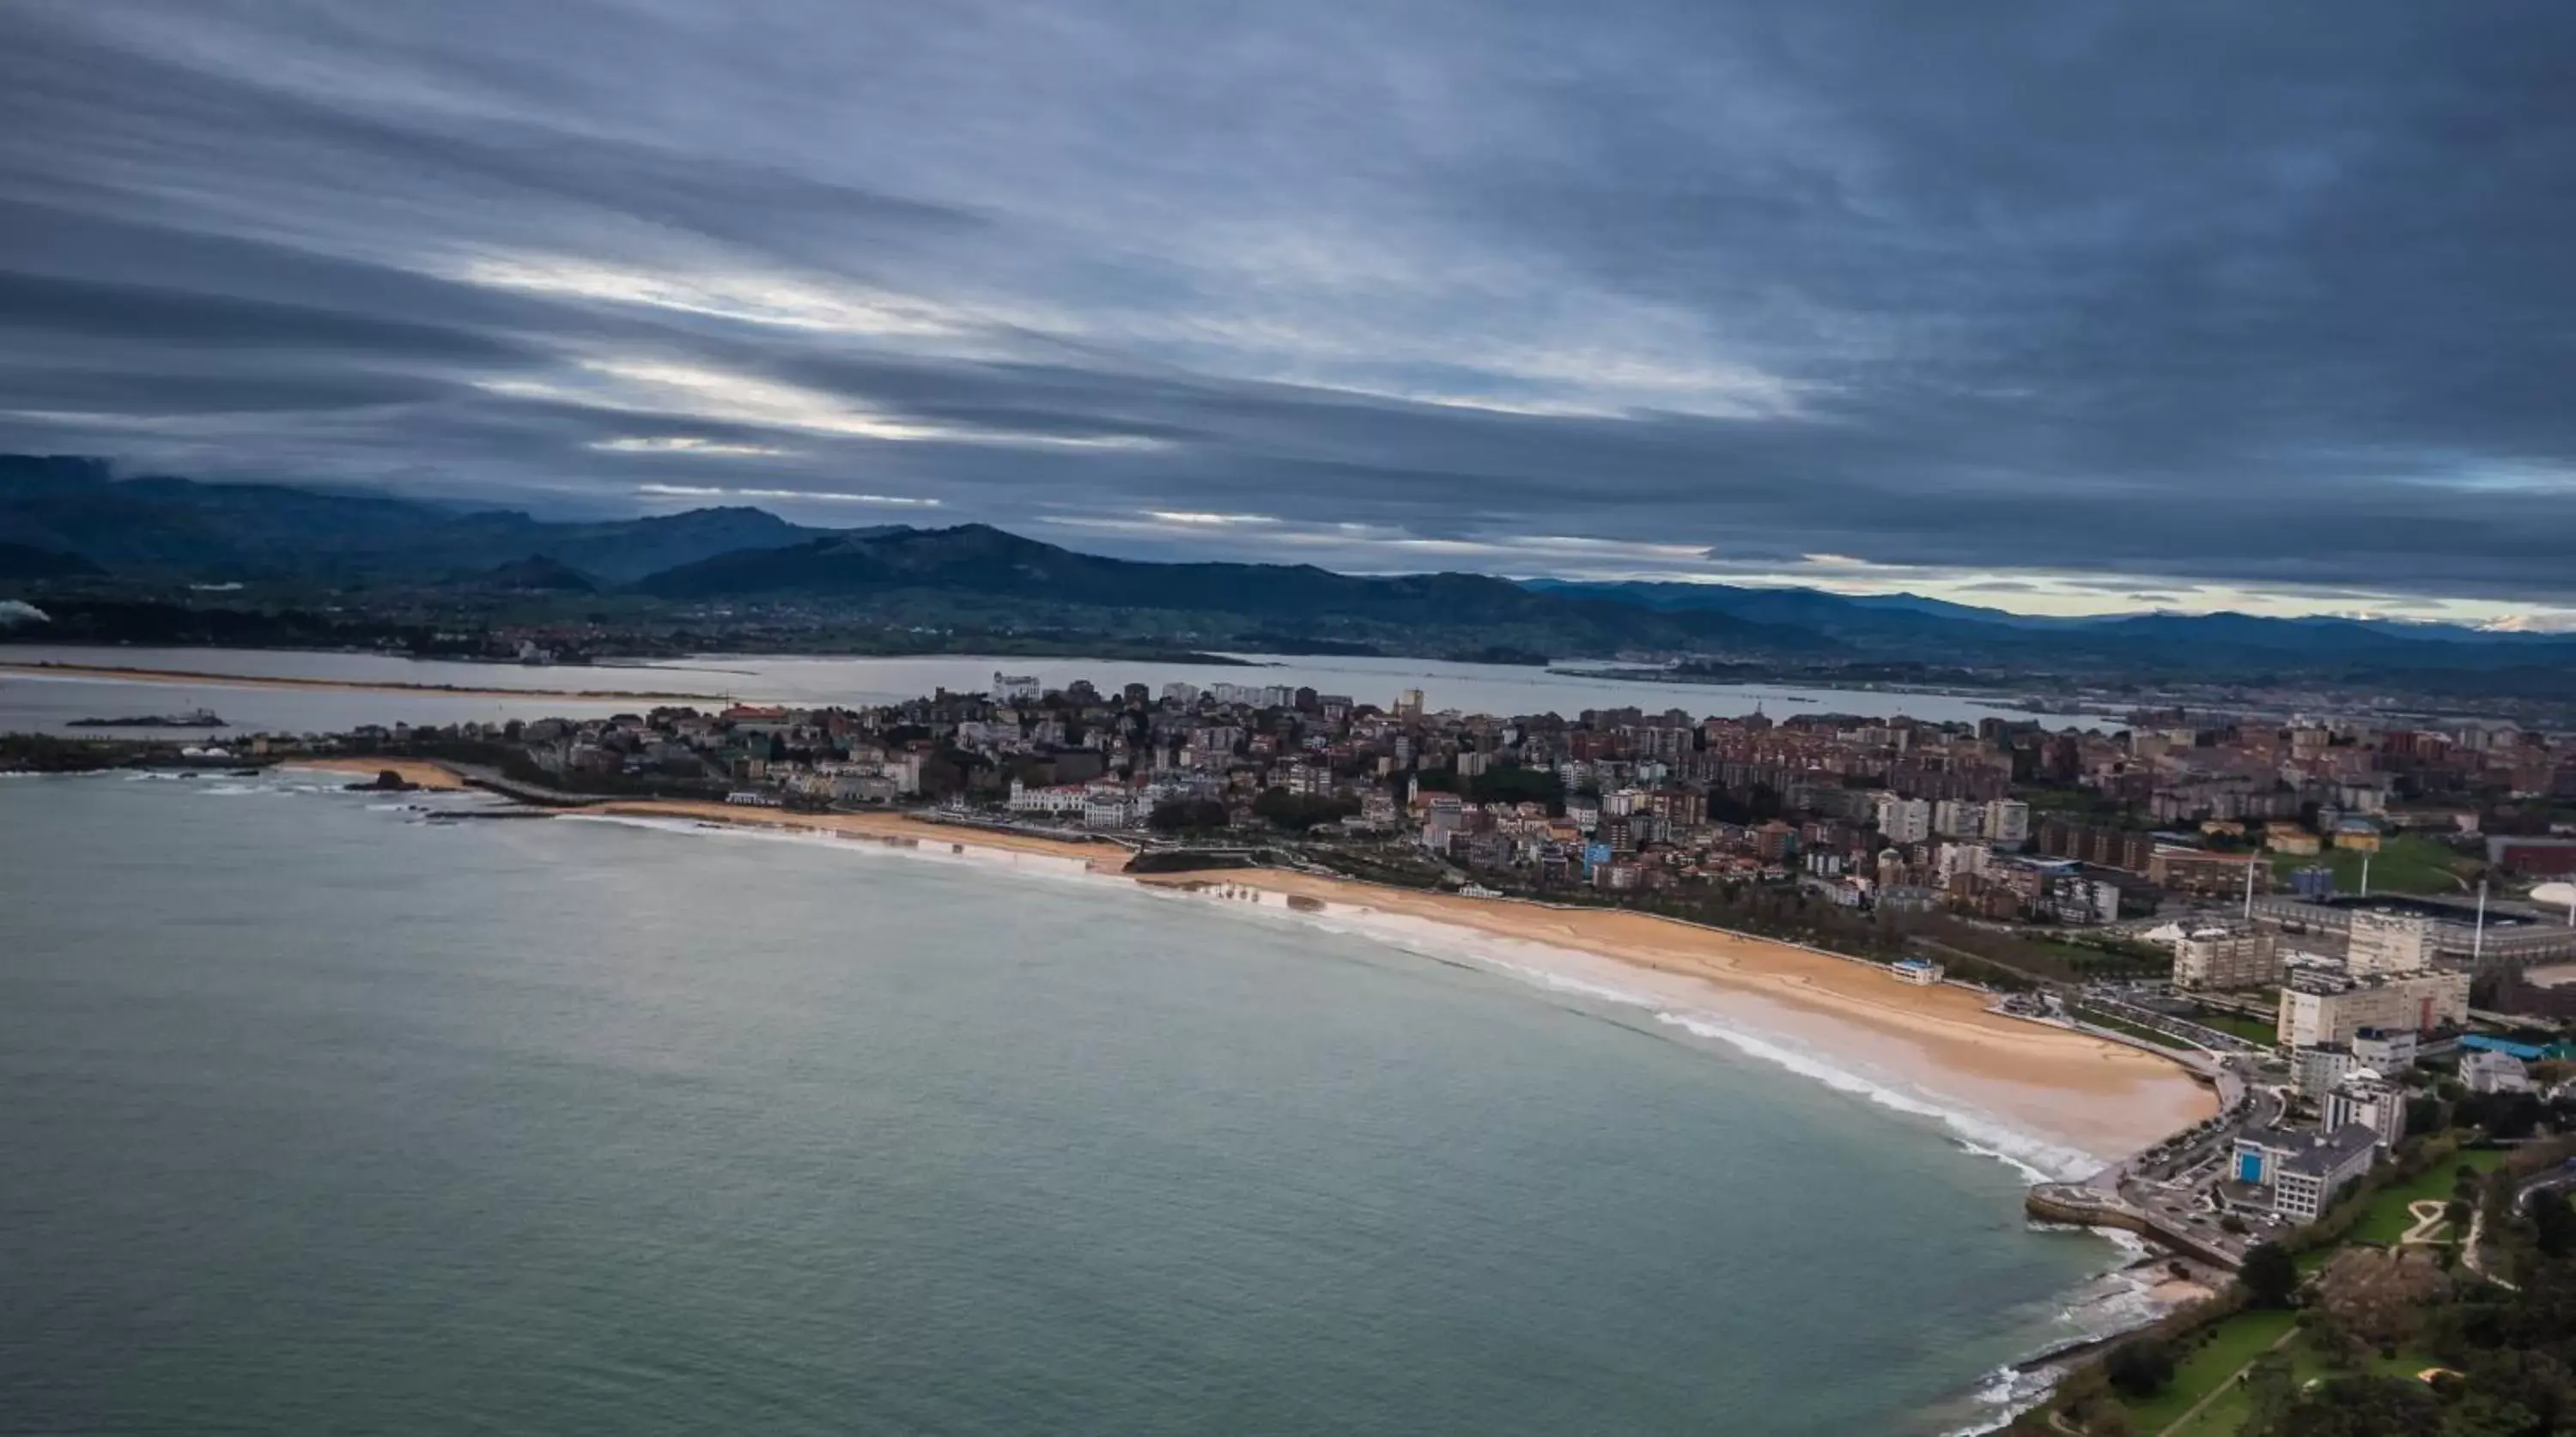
pixel 2056 306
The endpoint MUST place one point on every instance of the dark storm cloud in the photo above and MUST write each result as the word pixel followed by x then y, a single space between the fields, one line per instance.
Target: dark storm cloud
pixel 2192 294
pixel 153 316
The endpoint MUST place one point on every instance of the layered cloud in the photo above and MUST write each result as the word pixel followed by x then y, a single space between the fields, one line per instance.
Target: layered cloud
pixel 2063 304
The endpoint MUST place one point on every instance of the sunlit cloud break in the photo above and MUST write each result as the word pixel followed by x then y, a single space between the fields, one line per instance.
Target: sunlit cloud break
pixel 1184 516
pixel 828 496
pixel 687 444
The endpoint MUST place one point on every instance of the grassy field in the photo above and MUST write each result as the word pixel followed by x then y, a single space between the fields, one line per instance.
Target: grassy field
pixel 2227 1412
pixel 2407 863
pixel 2386 1219
pixel 2252 1030
pixel 2100 1019
pixel 2224 1348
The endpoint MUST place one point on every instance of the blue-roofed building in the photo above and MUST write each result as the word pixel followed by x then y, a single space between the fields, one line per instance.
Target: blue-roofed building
pixel 2302 1170
pixel 2527 1052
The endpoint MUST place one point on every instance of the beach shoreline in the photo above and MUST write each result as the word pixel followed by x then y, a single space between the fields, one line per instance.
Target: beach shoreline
pixel 110 673
pixel 2087 1095
pixel 418 772
pixel 2094 1099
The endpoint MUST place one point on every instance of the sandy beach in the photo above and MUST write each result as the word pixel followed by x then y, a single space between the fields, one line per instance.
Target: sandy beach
pixel 2099 1097
pixel 269 681
pixel 416 771
pixel 1101 857
pixel 2081 1093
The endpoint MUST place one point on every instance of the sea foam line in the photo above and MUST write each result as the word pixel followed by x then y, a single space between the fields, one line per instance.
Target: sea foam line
pixel 1547 965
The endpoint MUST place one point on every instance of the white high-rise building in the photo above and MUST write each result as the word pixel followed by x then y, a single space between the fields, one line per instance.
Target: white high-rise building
pixel 1904 820
pixel 2385 944
pixel 2329 1008
pixel 1957 818
pixel 2007 821
pixel 1016 688
pixel 2367 1099
pixel 2219 959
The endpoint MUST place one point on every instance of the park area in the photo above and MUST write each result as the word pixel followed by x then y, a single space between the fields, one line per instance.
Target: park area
pixel 2387 1220
pixel 2223 1349
pixel 2218 1371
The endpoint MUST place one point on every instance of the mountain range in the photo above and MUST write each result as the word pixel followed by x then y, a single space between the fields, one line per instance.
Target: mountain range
pixel 66 522
pixel 180 529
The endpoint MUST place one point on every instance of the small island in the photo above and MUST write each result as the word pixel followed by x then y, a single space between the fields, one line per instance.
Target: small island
pixel 194 718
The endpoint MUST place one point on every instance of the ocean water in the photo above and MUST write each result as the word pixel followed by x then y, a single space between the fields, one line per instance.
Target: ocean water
pixel 317 1115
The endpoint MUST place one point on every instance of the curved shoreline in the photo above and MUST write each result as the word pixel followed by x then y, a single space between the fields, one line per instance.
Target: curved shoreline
pixel 2104 1099
pixel 1944 1047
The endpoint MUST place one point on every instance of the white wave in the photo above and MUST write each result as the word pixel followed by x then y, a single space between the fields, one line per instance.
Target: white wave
pixel 2006 1395
pixel 1557 970
pixel 2035 1157
pixel 930 849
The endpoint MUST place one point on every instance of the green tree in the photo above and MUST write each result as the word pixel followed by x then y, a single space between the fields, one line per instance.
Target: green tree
pixel 1187 815
pixel 2271 1279
pixel 2553 1224
pixel 2361 1407
pixel 2140 1368
pixel 1299 812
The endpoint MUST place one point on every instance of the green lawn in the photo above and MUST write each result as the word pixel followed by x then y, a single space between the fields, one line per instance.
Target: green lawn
pixel 2252 1030
pixel 2089 961
pixel 2228 1411
pixel 2386 1220
pixel 2407 863
pixel 2224 1348
pixel 2100 1019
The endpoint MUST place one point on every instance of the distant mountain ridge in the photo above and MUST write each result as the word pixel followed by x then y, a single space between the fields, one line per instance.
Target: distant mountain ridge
pixel 69 521
pixel 180 528
pixel 1938 631
pixel 993 564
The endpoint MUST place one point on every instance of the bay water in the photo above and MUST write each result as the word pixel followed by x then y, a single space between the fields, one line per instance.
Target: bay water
pixel 325 1112
pixel 49 703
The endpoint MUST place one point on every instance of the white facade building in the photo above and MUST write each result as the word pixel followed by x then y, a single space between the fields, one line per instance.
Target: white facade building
pixel 1956 818
pixel 2304 1170
pixel 2008 822
pixel 1904 820
pixel 2365 1099
pixel 2217 959
pixel 2385 944
pixel 2387 1050
pixel 2316 1071
pixel 2327 1008
pixel 2494 1073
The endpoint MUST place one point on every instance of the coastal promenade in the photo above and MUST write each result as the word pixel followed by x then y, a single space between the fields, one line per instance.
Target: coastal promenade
pixel 2087 1206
